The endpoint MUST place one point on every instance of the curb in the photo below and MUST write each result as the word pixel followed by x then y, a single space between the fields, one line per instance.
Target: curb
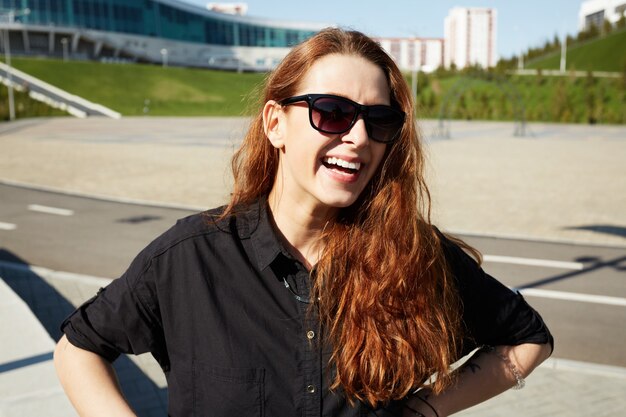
pixel 101 197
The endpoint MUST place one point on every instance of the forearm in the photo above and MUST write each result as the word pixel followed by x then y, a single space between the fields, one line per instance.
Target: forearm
pixel 89 382
pixel 483 376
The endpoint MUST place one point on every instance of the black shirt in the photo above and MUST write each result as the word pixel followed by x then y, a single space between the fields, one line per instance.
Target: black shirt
pixel 209 301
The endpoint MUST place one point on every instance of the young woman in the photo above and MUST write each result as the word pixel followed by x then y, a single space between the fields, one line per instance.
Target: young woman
pixel 322 288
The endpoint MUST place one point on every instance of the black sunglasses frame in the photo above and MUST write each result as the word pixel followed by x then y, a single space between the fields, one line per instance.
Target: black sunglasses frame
pixel 360 109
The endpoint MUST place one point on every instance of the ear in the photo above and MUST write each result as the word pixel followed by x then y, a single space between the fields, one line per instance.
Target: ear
pixel 273 123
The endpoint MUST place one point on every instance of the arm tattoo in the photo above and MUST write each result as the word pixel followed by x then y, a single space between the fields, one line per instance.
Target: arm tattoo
pixel 471 364
pixel 474 367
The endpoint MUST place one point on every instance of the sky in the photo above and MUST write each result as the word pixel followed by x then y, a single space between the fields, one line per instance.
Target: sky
pixel 521 23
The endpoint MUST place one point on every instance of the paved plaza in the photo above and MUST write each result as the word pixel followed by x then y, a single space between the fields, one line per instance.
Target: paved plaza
pixel 558 183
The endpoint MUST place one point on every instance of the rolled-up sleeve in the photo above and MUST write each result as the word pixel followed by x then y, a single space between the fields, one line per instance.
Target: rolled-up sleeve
pixel 493 314
pixel 122 318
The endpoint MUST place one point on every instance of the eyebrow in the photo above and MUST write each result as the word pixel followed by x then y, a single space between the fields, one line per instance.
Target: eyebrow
pixel 346 97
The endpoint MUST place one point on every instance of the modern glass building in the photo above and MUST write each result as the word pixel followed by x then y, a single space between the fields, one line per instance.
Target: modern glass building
pixel 167 31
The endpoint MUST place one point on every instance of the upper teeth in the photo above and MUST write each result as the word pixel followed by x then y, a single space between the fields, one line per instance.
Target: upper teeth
pixel 342 163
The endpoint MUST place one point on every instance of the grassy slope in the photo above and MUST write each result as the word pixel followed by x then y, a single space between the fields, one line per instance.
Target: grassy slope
pixel 171 91
pixel 25 106
pixel 604 54
pixel 195 92
pixel 557 99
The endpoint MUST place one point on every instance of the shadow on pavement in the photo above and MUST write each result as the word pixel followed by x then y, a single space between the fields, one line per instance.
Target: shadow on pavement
pixel 51 308
pixel 602 228
pixel 618 264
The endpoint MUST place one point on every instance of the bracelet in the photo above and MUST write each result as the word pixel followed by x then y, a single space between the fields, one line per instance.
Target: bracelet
pixel 519 379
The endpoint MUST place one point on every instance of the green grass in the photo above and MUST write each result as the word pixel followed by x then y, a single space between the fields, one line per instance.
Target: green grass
pixel 535 98
pixel 196 92
pixel 602 54
pixel 25 107
pixel 126 88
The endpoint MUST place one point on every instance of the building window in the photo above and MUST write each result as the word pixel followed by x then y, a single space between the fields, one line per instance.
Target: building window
pixel 594 19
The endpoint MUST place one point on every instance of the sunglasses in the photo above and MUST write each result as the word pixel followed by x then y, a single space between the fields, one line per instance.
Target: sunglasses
pixel 334 114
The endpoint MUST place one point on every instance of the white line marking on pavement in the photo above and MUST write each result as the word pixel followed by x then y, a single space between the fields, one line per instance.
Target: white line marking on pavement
pixel 50 210
pixel 572 296
pixel 7 226
pixel 577 266
pixel 102 197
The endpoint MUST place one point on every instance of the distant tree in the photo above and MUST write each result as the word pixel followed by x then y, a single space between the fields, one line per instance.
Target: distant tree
pixel 540 79
pixel 590 98
pixel 474 69
pixel 622 85
pixel 423 80
pixel 431 103
pixel 548 47
pixel 503 107
pixel 607 27
pixel 441 72
pixel 621 23
pixel 485 107
pixel 462 107
pixel 561 103
pixel 622 116
pixel 591 32
pixel 506 64
pixel 436 85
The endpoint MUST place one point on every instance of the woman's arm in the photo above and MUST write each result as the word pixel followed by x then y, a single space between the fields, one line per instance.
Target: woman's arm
pixel 89 381
pixel 483 376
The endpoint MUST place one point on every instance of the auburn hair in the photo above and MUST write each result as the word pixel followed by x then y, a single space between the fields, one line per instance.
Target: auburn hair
pixel 386 298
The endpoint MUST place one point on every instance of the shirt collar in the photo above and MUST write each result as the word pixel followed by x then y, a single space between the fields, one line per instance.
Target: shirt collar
pixel 257 225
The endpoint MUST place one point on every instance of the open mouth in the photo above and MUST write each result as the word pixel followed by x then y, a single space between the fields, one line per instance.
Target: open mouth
pixel 340 165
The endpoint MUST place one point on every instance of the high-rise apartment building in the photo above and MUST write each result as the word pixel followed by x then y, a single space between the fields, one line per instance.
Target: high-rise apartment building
pixel 423 54
pixel 470 37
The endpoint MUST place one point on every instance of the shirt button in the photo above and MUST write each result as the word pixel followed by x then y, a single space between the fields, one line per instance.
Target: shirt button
pixel 310 389
pixel 310 334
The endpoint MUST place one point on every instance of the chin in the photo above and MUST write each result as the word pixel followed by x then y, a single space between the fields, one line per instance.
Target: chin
pixel 339 201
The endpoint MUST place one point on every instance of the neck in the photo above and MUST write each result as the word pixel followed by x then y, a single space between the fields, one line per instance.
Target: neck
pixel 300 226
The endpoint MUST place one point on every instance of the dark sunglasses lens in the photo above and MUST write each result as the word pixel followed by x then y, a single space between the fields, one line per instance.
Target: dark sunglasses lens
pixel 332 115
pixel 385 123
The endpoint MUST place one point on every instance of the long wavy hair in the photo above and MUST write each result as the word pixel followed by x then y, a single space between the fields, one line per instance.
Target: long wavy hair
pixel 386 297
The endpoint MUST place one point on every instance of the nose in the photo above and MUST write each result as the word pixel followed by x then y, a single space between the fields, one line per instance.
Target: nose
pixel 357 135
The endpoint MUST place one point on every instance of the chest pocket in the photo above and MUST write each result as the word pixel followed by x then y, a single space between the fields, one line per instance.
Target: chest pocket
pixel 228 391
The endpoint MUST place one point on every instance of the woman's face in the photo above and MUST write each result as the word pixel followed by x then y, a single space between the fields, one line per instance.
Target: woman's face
pixel 310 170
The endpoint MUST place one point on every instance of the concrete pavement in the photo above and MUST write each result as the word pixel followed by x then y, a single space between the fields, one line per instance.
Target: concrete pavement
pixel 563 183
pixel 28 383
